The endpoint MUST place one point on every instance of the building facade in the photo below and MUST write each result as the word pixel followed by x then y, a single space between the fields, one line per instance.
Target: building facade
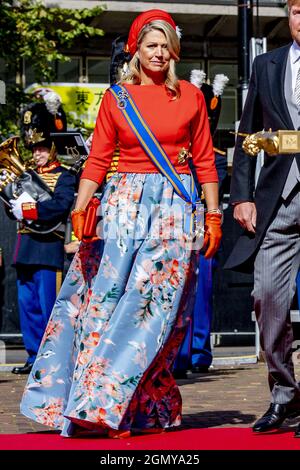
pixel 209 41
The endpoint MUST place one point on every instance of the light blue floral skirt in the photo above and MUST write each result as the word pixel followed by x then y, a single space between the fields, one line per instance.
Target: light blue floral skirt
pixel 118 321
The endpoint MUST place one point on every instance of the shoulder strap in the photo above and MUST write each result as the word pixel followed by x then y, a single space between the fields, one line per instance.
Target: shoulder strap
pixel 151 145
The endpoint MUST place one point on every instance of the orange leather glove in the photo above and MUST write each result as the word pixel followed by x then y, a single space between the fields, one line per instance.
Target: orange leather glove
pixel 78 221
pixel 212 233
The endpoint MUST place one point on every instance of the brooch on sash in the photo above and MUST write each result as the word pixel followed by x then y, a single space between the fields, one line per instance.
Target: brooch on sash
pixel 122 99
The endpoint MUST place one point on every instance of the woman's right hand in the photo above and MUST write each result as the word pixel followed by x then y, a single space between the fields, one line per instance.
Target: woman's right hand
pixel 78 220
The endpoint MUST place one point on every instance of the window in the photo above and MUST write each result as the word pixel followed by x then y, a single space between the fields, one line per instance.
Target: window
pixel 69 72
pixel 6 74
pixel 229 69
pixel 184 68
pixel 98 70
pixel 228 114
pixel 28 74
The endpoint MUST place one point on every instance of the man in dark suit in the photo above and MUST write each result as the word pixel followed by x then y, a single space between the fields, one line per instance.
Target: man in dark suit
pixel 270 216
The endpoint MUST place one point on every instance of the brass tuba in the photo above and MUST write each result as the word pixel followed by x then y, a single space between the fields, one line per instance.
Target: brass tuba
pixel 15 179
pixel 10 162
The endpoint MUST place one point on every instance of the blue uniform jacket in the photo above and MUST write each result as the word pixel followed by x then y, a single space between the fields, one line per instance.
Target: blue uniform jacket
pixel 48 250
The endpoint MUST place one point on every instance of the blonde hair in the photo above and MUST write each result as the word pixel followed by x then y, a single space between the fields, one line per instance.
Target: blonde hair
pixel 290 3
pixel 133 75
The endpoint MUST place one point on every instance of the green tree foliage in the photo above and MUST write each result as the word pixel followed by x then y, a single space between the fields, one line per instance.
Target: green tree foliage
pixel 31 31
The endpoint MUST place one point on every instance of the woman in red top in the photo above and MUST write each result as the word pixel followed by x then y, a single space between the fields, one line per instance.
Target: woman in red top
pixel 121 310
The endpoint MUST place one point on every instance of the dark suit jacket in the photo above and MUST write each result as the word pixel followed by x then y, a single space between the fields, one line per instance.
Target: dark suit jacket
pixel 265 108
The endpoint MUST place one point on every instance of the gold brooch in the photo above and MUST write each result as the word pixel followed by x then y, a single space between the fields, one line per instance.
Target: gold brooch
pixel 183 155
pixel 33 137
pixel 27 117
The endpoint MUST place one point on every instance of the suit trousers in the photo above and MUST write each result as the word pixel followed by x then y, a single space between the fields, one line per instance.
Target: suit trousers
pixel 275 271
pixel 298 289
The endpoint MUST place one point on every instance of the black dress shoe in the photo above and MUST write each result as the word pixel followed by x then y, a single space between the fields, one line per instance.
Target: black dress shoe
pixel 26 369
pixel 200 369
pixel 275 416
pixel 180 374
pixel 297 432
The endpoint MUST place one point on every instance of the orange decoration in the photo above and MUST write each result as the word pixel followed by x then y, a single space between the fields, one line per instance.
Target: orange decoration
pixel 58 124
pixel 214 102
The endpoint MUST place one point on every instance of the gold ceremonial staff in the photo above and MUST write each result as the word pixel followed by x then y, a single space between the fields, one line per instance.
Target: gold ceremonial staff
pixel 271 142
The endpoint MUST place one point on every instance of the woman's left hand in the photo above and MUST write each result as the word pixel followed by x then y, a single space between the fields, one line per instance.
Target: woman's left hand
pixel 212 233
pixel 78 217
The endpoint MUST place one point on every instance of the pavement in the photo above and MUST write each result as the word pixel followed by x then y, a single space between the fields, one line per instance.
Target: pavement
pixel 233 393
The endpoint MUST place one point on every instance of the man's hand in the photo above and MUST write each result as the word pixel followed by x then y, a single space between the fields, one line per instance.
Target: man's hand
pixel 16 205
pixel 245 214
pixel 71 247
pixel 16 209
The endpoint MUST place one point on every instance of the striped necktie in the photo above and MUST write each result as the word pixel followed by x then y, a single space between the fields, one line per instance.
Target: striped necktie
pixel 297 88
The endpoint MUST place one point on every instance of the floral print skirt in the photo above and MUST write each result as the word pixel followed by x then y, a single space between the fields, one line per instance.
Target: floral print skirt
pixel 106 356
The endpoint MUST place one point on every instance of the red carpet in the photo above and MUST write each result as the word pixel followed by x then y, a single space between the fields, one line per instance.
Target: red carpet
pixel 188 439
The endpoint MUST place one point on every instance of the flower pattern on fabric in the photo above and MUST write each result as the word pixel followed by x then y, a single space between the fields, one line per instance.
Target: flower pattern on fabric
pixel 118 321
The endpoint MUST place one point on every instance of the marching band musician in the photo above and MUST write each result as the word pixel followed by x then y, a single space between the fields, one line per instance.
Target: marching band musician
pixel 39 257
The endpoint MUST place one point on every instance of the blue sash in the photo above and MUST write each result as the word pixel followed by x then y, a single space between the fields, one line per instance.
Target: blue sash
pixel 155 151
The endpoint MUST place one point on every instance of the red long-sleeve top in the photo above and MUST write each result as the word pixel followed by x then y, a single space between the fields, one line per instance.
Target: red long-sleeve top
pixel 175 123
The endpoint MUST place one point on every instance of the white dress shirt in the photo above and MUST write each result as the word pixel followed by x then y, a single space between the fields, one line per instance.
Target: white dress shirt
pixel 294 59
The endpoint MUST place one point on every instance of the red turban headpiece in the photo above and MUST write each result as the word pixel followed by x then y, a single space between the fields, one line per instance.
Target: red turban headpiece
pixel 142 20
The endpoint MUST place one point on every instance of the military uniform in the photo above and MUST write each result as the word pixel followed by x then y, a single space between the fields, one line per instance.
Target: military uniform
pixel 39 259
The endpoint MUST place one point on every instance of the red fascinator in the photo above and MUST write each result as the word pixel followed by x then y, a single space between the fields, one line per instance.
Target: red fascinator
pixel 142 20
